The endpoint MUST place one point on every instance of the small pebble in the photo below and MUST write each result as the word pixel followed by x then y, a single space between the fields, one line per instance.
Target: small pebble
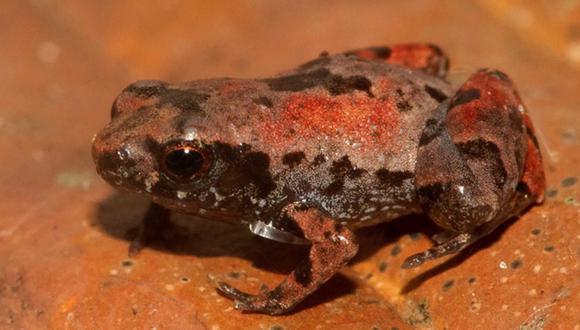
pixel 396 250
pixel 448 285
pixel 516 264
pixel 569 181
pixel 383 266
pixel 549 248
pixel 551 193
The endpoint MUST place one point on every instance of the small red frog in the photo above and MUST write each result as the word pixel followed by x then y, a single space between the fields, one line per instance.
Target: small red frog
pixel 309 155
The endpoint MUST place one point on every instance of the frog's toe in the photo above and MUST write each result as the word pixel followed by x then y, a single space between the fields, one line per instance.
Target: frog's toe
pixel 235 294
pixel 416 260
pixel 246 302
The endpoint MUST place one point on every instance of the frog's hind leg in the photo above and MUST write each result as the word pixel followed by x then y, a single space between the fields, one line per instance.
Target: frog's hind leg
pixel 333 245
pixel 474 157
pixel 425 57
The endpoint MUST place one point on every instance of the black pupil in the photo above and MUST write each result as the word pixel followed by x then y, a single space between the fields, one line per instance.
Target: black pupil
pixel 184 163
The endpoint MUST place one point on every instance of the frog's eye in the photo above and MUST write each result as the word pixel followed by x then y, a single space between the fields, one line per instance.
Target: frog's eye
pixel 184 162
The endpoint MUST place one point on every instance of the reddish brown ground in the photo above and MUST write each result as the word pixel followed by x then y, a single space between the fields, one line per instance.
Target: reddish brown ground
pixel 63 232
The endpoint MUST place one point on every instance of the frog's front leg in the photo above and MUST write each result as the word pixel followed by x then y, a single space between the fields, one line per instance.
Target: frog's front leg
pixel 333 245
pixel 424 57
pixel 155 220
pixel 477 164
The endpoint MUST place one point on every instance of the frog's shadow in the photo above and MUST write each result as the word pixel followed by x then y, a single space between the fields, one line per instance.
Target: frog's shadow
pixel 120 215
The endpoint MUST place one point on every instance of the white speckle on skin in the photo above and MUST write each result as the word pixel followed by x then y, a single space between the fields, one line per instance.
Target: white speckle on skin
pixel 218 197
pixel 461 189
pixel 202 211
pixel 190 134
pixel 365 218
pixel 385 208
pixel 521 108
pixel 370 210
pixel 181 194
pixel 262 203
pixel 151 180
pixel 503 265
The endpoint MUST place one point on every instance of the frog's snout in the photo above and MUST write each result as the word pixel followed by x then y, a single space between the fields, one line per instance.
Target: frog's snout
pixel 116 164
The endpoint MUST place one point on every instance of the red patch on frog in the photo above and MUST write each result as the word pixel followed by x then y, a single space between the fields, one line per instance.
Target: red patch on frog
pixel 358 120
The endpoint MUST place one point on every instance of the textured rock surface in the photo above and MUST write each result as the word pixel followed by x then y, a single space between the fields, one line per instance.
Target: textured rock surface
pixel 63 232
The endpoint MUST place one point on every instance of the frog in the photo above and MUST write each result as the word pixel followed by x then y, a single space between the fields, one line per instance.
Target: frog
pixel 312 154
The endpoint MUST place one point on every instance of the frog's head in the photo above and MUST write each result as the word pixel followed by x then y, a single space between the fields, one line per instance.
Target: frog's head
pixel 162 141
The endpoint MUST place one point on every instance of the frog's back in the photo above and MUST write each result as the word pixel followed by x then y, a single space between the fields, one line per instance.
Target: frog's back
pixel 340 132
pixel 335 106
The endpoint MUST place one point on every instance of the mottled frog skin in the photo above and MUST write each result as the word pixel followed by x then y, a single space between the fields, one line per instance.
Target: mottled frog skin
pixel 309 155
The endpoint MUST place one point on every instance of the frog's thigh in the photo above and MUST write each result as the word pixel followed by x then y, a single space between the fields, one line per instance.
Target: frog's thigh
pixel 425 57
pixel 472 153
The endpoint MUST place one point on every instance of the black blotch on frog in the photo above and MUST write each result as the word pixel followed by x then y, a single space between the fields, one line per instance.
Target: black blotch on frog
pixel 334 84
pixel 343 168
pixel 293 159
pixel 184 99
pixel 334 188
pixel 392 178
pixel 318 160
pixel 465 96
pixel 488 153
pixel 246 165
pixel 435 94
pixel 432 130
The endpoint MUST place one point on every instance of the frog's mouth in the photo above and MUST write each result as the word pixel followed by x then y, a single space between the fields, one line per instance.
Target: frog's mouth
pixel 267 230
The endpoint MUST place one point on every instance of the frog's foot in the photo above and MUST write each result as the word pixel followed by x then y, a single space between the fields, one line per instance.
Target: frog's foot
pixel 333 245
pixel 424 57
pixel 453 245
pixel 156 219
pixel 265 302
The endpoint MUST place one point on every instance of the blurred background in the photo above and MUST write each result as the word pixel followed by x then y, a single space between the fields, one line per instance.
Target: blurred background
pixel 64 232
